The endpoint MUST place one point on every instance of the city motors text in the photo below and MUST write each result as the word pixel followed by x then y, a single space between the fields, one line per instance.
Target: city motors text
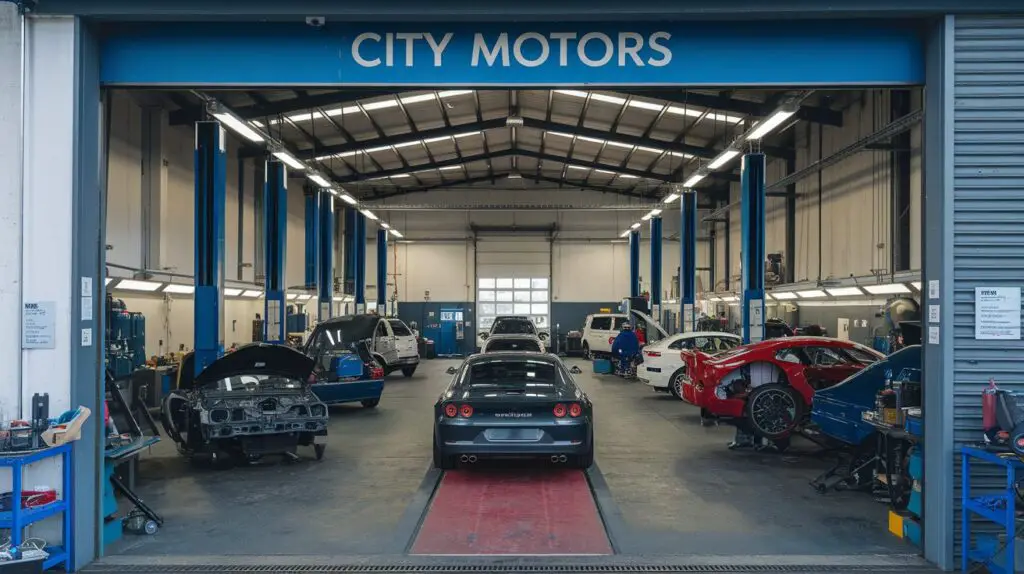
pixel 529 49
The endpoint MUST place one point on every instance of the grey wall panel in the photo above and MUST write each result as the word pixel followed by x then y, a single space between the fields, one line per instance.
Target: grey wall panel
pixel 988 208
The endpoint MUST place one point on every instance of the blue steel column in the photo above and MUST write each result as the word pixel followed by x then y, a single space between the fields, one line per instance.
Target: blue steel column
pixel 349 249
pixel 752 208
pixel 275 226
pixel 210 181
pixel 382 271
pixel 656 268
pixel 634 263
pixel 688 259
pixel 326 279
pixel 359 247
pixel 312 222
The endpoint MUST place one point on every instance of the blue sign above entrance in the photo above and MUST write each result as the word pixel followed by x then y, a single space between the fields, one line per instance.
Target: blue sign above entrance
pixel 801 53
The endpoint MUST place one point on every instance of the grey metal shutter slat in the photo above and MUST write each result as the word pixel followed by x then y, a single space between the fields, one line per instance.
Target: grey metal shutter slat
pixel 988 216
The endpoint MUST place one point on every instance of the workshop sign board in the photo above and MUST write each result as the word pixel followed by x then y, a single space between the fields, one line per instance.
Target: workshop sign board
pixel 997 313
pixel 39 325
pixel 336 53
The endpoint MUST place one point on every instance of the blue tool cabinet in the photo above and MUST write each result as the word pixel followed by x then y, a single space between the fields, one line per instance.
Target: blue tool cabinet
pixel 18 518
pixel 998 507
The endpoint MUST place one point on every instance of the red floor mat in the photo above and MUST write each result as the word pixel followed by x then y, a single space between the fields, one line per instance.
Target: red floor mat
pixel 504 512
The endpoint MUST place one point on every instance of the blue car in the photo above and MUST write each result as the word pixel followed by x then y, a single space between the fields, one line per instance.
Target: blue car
pixel 346 369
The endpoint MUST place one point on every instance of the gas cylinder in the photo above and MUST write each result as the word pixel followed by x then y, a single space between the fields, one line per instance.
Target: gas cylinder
pixel 988 407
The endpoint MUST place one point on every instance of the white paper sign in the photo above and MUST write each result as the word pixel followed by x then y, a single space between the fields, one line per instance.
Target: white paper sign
pixel 933 314
pixel 86 286
pixel 997 313
pixel 933 335
pixel 86 337
pixel 933 289
pixel 756 320
pixel 688 317
pixel 87 308
pixel 38 325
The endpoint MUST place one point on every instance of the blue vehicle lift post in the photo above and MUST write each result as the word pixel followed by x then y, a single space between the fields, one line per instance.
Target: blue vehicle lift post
pixel 634 263
pixel 752 210
pixel 382 271
pixel 210 181
pixel 348 247
pixel 312 222
pixel 656 267
pixel 688 259
pixel 275 225
pixel 326 279
pixel 359 246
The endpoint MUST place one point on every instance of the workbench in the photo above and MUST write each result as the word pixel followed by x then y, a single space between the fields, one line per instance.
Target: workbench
pixel 999 507
pixel 18 518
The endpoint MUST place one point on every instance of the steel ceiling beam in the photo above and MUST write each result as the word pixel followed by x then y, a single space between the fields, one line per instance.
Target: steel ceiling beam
pixel 814 114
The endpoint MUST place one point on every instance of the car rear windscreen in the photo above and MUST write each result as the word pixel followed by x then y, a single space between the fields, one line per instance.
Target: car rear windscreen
pixel 513 345
pixel 517 372
pixel 513 327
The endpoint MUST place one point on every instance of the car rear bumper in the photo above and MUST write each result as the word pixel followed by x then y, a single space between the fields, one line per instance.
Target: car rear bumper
pixel 553 439
pixel 407 361
pixel 348 392
pixel 657 379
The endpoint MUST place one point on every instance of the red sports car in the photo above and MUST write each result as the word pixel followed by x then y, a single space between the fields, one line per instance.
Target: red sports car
pixel 768 387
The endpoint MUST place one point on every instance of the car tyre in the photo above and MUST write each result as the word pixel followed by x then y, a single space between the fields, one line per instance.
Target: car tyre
pixel 318 450
pixel 774 410
pixel 370 403
pixel 442 461
pixel 675 385
pixel 408 371
pixel 586 460
pixel 586 352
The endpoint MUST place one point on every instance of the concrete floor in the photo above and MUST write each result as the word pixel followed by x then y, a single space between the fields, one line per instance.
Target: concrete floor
pixel 672 487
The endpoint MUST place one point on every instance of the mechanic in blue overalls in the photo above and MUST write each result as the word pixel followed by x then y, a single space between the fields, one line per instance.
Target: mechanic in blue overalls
pixel 626 348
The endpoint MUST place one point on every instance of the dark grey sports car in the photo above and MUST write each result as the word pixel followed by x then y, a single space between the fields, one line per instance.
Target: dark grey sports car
pixel 512 405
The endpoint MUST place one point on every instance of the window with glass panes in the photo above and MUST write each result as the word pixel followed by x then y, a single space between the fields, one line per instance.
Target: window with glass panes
pixel 525 296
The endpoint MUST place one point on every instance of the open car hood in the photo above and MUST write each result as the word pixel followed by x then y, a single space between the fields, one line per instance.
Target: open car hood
pixel 650 321
pixel 253 359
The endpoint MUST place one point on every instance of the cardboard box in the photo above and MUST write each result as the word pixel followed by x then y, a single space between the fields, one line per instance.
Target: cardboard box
pixel 58 435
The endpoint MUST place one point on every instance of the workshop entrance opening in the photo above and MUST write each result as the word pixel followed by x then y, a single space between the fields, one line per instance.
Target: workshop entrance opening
pixel 493 170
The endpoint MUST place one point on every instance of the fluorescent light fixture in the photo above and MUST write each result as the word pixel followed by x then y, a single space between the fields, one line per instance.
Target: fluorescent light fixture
pixel 626 233
pixel 723 158
pixel 715 299
pixel 671 198
pixel 252 293
pixel 655 211
pixel 107 281
pixel 646 216
pixel 844 291
pixel 370 106
pixel 232 292
pixel 694 180
pixel 291 296
pixel 338 298
pixel 651 106
pixel 768 296
pixel 730 298
pixel 319 180
pixel 384 225
pixel 133 285
pixel 767 125
pixel 185 289
pixel 305 297
pixel 396 233
pixel 916 284
pixel 811 294
pixel 635 225
pixel 348 199
pixel 369 214
pixel 891 289
pixel 239 127
pixel 407 143
pixel 289 159
pixel 783 295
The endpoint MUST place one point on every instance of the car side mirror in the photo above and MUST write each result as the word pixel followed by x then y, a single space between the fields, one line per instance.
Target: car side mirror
pixel 483 336
pixel 575 370
pixel 451 370
pixel 543 336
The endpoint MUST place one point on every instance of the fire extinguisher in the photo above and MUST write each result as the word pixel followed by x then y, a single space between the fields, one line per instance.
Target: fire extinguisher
pixel 990 422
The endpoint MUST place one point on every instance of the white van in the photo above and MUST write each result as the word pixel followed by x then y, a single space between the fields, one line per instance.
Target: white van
pixel 600 330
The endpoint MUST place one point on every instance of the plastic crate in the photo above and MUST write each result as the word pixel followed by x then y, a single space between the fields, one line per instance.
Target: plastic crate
pixel 603 367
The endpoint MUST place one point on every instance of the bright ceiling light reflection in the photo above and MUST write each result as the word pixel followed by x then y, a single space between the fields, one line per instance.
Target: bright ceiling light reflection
pixel 723 158
pixel 652 106
pixel 671 198
pixel 183 289
pixel 239 127
pixel 694 180
pixel 232 292
pixel 769 124
pixel 844 291
pixel 134 285
pixel 289 159
pixel 371 106
pixel 811 294
pixel 783 295
pixel 400 145
pixel 893 289
pixel 319 180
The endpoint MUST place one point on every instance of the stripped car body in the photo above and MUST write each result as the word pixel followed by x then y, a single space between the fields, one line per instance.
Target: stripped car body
pixel 513 404
pixel 248 403
pixel 769 386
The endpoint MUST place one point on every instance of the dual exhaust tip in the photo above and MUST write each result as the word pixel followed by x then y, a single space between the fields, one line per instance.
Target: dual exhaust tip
pixel 471 458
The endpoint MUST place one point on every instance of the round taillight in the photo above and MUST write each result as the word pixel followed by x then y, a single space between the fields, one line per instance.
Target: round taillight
pixel 575 410
pixel 559 410
pixel 466 411
pixel 450 411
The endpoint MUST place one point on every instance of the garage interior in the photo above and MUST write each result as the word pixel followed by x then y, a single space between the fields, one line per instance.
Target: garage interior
pixel 484 185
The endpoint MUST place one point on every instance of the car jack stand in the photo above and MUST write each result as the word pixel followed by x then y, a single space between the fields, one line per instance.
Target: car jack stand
pixel 742 440
pixel 140 506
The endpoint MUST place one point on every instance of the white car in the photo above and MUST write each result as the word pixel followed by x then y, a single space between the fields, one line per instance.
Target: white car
pixel 513 325
pixel 407 349
pixel 522 343
pixel 600 330
pixel 662 368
